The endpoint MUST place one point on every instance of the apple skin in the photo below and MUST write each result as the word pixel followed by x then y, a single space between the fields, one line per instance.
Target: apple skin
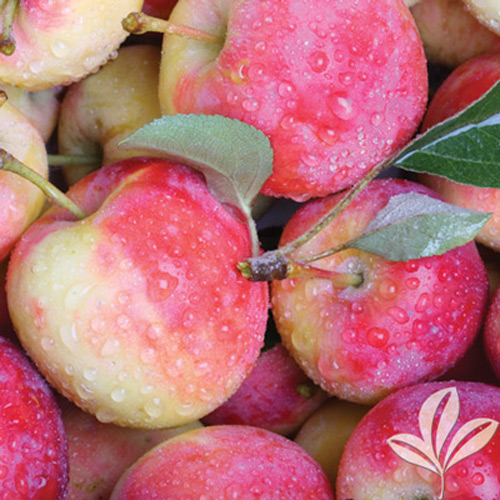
pixel 229 461
pixel 158 8
pixel 33 446
pixel 492 333
pixel 102 109
pixel 325 433
pixel 61 41
pixel 92 476
pixel 370 469
pixel 464 85
pixel 41 108
pixel 277 396
pixel 137 313
pixel 408 322
pixel 450 33
pixel 337 87
pixel 22 201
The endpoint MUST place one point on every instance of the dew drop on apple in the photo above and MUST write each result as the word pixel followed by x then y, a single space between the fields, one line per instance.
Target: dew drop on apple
pixel 90 374
pixel 154 408
pixel 59 48
pixel 318 61
pixel 377 337
pixel 69 336
pixel 47 343
pixel 118 394
pixel 110 348
pixel 105 416
pixel 287 122
pixel 341 107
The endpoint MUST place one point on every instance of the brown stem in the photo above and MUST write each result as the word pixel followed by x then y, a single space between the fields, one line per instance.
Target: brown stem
pixel 7 42
pixel 55 196
pixel 139 23
pixel 3 97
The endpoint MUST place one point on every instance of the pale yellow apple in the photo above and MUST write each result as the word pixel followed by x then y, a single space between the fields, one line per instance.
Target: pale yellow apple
pixel 487 12
pixel 101 110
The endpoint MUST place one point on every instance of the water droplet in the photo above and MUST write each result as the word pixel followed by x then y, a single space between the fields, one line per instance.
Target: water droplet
pixel 75 296
pixel 260 47
pixel 110 348
pixel 69 336
pixel 398 314
pixel 118 394
pixel 286 89
pixel 250 105
pixel 256 72
pixel 341 107
pixel 328 136
pixel 154 408
pixel 59 48
pixel 287 122
pixel 477 478
pixel 376 119
pixel 377 337
pixel 318 61
pixel 90 374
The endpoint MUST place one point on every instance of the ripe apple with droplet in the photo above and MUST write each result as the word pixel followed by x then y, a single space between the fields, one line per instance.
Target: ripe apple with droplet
pixel 137 312
pixel 33 446
pixel 406 322
pixel 227 461
pixel 336 86
pixel 437 440
pixel 464 85
pixel 54 42
pixel 277 396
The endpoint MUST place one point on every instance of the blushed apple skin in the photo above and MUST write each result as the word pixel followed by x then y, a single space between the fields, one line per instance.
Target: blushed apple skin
pixel 102 109
pixel 277 396
pixel 100 453
pixel 21 200
pixel 450 33
pixel 492 333
pixel 336 86
pixel 59 41
pixel 464 85
pixel 370 470
pixel 230 461
pixel 137 313
pixel 408 322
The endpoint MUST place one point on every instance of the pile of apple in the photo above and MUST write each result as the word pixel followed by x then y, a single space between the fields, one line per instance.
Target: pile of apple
pixel 156 344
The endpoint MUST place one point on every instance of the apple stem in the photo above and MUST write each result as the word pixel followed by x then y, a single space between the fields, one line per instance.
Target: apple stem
pixel 274 265
pixel 139 23
pixel 7 42
pixel 67 160
pixel 3 97
pixel 55 196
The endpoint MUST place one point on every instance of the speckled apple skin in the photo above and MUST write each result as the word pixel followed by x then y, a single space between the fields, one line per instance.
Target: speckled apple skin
pixel 492 332
pixel 33 446
pixel 229 461
pixel 407 322
pixel 370 470
pixel 60 41
pixel 464 85
pixel 21 200
pixel 336 86
pixel 137 313
pixel 271 396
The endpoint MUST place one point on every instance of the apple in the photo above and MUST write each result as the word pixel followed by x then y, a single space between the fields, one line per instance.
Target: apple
pixel 487 12
pixel 492 333
pixel 277 396
pixel 438 440
pixel 100 453
pixel 41 108
pixel 229 461
pixel 450 33
pixel 406 322
pixel 102 109
pixel 33 446
pixel 158 8
pixel 22 201
pixel 137 312
pixel 324 434
pixel 57 42
pixel 464 85
pixel 337 87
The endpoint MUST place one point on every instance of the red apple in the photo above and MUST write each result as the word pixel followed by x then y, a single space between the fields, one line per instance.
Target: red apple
pixel 436 440
pixel 337 87
pixel 230 461
pixel 138 313
pixel 33 447
pixel 277 396
pixel 492 332
pixel 158 8
pixel 407 322
pixel 464 85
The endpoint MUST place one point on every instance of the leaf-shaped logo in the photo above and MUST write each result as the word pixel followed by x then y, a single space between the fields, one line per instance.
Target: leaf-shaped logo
pixel 426 451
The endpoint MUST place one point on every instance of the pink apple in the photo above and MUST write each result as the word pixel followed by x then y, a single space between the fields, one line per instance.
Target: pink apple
pixel 337 87
pixel 438 440
pixel 464 85
pixel 138 313
pixel 277 396
pixel 407 322
pixel 229 461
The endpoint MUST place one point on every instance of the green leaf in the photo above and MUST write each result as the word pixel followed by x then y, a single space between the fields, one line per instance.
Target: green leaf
pixel 464 148
pixel 414 225
pixel 235 158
